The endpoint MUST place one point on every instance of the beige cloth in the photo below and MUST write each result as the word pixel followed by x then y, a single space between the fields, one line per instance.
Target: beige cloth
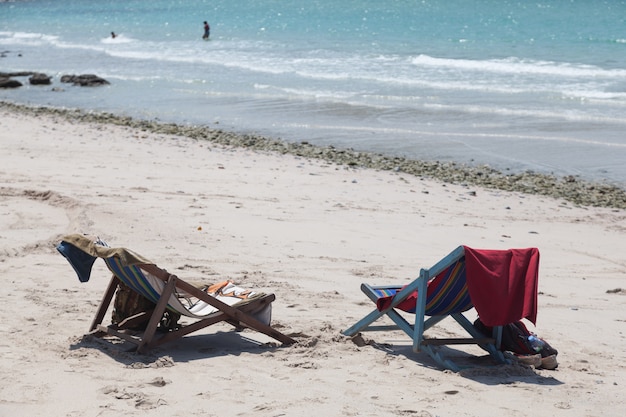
pixel 88 244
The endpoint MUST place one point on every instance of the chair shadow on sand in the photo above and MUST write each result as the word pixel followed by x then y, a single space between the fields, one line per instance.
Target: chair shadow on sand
pixel 480 368
pixel 191 348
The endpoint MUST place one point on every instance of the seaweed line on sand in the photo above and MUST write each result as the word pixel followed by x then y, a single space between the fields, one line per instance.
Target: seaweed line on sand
pixel 569 188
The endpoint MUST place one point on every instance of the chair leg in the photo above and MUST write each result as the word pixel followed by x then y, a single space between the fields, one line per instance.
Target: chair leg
pixel 492 348
pixel 420 311
pixel 440 359
pixel 148 334
pixel 105 303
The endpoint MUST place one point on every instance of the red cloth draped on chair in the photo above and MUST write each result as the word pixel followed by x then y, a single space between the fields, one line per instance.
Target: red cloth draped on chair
pixel 502 286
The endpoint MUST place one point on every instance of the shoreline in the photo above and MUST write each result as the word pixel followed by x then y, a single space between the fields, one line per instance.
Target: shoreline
pixel 570 188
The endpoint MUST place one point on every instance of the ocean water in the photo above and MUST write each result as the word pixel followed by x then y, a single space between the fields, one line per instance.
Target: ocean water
pixel 518 85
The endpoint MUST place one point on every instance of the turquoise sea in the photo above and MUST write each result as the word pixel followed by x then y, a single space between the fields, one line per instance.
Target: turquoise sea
pixel 518 85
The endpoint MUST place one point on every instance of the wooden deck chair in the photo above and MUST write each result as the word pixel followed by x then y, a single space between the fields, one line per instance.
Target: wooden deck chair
pixel 168 293
pixel 500 284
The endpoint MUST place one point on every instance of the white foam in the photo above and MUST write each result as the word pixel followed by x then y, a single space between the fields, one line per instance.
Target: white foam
pixel 519 66
pixel 120 38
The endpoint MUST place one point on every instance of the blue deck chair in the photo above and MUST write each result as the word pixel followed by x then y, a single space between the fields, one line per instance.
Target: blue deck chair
pixel 439 292
pixel 167 292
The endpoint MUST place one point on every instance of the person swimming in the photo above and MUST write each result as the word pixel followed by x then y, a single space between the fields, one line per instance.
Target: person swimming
pixel 113 35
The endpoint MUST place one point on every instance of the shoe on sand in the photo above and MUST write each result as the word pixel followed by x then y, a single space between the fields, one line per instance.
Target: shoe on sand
pixel 530 360
pixel 549 362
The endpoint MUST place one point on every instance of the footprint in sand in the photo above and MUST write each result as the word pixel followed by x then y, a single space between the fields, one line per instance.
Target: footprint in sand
pixel 140 399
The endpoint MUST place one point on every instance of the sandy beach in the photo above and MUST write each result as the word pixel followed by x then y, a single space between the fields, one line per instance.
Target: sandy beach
pixel 306 230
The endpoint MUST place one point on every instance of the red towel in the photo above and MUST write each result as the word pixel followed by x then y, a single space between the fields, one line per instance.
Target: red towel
pixel 503 284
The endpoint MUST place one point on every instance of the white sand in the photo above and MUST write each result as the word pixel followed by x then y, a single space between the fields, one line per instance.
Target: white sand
pixel 309 232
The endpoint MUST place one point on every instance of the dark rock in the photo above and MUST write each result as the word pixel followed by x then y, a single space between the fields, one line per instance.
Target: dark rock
pixel 39 79
pixel 84 80
pixel 6 82
pixel 17 74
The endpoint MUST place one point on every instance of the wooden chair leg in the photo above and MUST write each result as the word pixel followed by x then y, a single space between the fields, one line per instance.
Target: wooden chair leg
pixel 148 335
pixel 105 303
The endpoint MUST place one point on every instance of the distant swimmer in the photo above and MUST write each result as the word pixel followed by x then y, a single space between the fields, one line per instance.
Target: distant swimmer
pixel 113 35
pixel 207 31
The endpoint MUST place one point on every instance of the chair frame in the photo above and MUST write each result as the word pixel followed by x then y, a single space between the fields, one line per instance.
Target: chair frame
pixel 237 316
pixel 416 331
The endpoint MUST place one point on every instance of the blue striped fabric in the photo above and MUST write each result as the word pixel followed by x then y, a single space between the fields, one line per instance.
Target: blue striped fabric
pixel 447 293
pixel 134 278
